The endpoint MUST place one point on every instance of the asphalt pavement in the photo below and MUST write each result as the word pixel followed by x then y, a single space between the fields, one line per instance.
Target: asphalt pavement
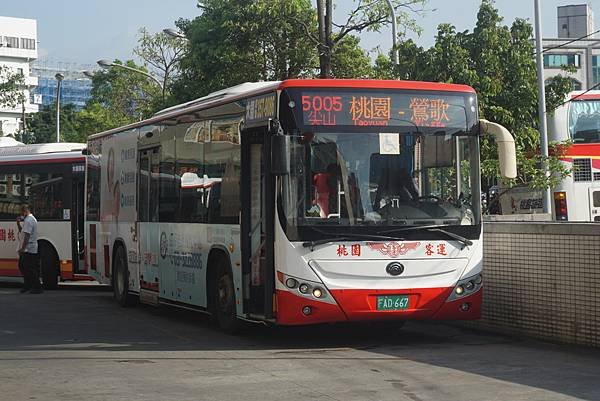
pixel 75 343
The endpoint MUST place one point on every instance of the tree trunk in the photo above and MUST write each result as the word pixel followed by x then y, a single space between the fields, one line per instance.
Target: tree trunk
pixel 325 21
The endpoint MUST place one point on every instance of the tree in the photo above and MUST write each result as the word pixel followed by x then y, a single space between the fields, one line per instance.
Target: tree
pixel 163 54
pixel 498 62
pixel 367 15
pixel 128 96
pixel 236 41
pixel 42 125
pixel 11 87
pixel 349 60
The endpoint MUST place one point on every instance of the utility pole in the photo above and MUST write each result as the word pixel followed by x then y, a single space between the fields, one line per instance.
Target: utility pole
pixel 59 77
pixel 394 33
pixel 542 102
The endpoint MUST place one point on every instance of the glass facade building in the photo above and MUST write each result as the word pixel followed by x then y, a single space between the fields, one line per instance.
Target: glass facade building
pixel 75 88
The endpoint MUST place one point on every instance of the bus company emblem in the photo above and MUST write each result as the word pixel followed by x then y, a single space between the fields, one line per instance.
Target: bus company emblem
pixel 163 245
pixel 393 249
pixel 394 269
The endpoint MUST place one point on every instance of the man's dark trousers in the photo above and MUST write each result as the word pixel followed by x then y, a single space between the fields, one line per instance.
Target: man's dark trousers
pixel 29 265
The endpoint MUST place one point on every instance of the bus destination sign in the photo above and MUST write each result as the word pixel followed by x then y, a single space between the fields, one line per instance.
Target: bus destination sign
pixel 383 109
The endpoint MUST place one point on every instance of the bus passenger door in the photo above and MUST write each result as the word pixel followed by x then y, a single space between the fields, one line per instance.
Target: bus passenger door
pixel 257 225
pixel 77 218
pixel 148 224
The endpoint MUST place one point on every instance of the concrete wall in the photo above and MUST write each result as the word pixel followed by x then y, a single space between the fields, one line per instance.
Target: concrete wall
pixel 543 280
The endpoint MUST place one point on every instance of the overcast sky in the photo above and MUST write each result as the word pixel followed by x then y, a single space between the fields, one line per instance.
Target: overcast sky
pixel 85 31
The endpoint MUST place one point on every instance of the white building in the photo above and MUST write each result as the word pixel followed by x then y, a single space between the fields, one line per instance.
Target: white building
pixel 574 46
pixel 18 48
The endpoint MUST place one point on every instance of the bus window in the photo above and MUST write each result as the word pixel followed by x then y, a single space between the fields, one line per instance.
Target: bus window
pixel 46 196
pixel 43 191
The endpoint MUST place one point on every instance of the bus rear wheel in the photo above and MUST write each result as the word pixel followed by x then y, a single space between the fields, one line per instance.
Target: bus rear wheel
pixel 120 278
pixel 224 303
pixel 49 266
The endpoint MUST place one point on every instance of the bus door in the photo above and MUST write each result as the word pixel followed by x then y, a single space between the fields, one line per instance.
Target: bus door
pixel 594 195
pixel 257 224
pixel 77 217
pixel 147 226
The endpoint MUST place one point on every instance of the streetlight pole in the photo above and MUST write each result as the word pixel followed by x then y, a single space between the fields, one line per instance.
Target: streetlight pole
pixel 108 64
pixel 546 198
pixel 394 34
pixel 59 77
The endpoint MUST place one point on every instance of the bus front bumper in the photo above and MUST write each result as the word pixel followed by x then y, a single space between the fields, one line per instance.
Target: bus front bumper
pixel 361 305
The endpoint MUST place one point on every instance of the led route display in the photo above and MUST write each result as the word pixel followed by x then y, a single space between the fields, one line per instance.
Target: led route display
pixel 366 108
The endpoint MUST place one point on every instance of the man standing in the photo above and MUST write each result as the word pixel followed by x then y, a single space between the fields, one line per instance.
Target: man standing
pixel 29 261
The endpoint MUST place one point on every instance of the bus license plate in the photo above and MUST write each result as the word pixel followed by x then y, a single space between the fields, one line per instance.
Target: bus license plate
pixel 392 302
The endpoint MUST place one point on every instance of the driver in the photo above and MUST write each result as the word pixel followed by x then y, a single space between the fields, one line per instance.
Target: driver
pixel 395 183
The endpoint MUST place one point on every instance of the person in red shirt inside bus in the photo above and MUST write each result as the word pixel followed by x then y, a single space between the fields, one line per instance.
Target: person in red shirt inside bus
pixel 326 190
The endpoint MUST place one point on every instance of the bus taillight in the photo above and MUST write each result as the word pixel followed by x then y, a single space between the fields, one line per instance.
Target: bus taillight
pixel 560 205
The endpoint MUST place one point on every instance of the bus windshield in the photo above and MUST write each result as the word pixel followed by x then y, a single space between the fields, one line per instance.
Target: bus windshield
pixel 358 179
pixel 584 121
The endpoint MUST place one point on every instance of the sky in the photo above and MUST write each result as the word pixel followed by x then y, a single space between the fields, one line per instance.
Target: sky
pixel 84 31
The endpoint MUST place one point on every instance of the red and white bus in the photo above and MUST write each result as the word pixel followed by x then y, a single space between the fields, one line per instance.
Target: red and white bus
pixel 577 198
pixel 297 202
pixel 50 178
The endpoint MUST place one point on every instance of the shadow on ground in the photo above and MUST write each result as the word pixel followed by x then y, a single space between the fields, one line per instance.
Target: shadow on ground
pixel 87 319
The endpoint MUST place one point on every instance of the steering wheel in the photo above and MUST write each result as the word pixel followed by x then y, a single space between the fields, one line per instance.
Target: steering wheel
pixel 430 197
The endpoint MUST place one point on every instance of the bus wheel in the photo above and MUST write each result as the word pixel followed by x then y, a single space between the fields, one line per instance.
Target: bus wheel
pixel 48 266
pixel 120 280
pixel 224 302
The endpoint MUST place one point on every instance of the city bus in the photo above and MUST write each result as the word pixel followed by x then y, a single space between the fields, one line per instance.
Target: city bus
pixel 297 202
pixel 577 198
pixel 50 178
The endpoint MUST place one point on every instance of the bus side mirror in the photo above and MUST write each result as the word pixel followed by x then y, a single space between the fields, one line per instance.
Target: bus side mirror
pixel 280 154
pixel 507 155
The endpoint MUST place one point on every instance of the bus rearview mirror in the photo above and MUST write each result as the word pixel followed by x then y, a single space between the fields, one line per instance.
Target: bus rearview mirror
pixel 280 154
pixel 507 155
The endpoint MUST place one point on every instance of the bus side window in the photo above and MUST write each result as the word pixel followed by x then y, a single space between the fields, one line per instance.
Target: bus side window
pixel 189 170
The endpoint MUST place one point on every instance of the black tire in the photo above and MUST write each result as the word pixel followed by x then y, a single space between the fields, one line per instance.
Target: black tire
pixel 120 277
pixel 224 304
pixel 49 266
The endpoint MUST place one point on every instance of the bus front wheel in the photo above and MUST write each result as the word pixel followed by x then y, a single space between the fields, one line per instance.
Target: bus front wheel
pixel 120 279
pixel 224 298
pixel 48 266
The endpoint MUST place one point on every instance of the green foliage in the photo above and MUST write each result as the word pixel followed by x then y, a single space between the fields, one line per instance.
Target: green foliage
pixel 498 62
pixel 11 84
pixel 128 95
pixel 365 15
pixel 349 60
pixel 162 53
pixel 236 41
pixel 41 126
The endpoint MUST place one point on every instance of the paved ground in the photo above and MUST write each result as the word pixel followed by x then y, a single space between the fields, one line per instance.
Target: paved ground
pixel 77 344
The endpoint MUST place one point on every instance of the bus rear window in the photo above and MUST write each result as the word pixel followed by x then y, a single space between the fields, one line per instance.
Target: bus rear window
pixel 584 121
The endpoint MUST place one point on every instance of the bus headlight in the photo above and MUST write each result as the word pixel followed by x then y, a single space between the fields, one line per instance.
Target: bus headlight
pixel 304 288
pixel 317 292
pixel 465 287
pixel 291 283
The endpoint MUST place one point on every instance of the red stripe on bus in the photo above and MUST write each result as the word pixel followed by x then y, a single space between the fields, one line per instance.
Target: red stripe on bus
pixel 44 161
pixel 374 84
pixel 587 96
pixel 583 149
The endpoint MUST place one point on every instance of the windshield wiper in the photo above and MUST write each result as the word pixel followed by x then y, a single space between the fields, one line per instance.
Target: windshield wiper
pixel 433 228
pixel 346 237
